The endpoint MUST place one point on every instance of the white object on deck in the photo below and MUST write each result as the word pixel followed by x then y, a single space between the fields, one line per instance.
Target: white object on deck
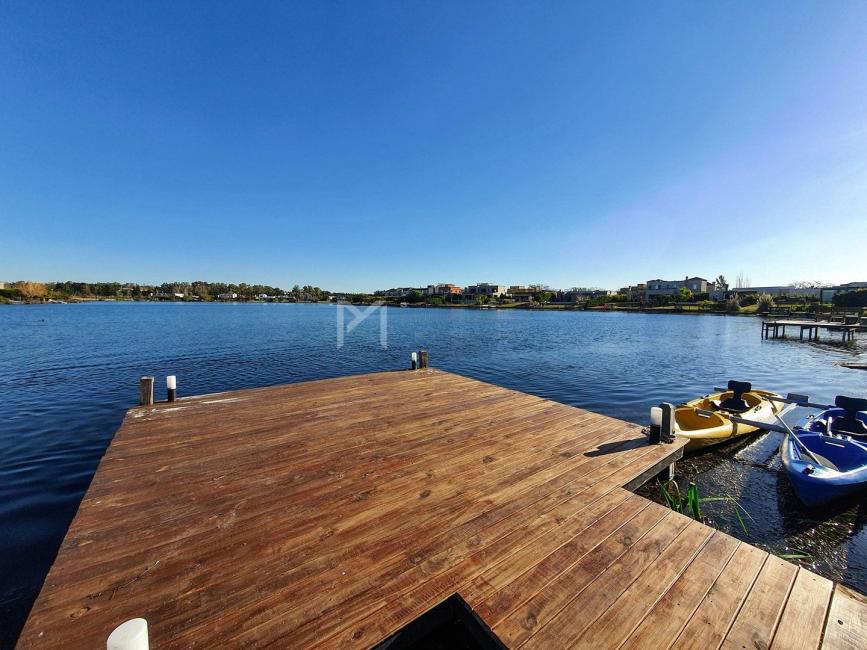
pixel 131 635
pixel 655 416
pixel 171 382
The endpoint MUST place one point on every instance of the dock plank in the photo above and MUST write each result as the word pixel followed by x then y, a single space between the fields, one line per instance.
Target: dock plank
pixel 664 622
pixel 755 624
pixel 803 618
pixel 847 621
pixel 713 617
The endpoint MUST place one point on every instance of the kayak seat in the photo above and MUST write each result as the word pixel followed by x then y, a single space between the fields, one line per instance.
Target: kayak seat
pixel 827 463
pixel 736 403
pixel 850 423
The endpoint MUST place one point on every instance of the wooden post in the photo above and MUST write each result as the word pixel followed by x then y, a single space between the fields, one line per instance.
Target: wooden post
pixel 422 359
pixel 146 391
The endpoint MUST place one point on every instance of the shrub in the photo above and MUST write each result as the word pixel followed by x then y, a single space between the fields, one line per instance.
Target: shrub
pixel 733 305
pixel 851 298
pixel 765 303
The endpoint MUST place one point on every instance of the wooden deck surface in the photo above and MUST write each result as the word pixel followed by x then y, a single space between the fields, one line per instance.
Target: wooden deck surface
pixel 331 513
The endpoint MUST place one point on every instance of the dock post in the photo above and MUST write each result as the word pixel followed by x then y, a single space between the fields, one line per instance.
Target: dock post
pixel 413 361
pixel 146 391
pixel 422 359
pixel 131 635
pixel 171 387
pixel 667 432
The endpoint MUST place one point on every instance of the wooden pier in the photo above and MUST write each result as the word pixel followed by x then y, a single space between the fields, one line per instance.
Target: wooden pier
pixel 333 513
pixel 777 328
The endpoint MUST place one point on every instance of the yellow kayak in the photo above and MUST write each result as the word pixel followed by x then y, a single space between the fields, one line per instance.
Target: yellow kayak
pixel 705 420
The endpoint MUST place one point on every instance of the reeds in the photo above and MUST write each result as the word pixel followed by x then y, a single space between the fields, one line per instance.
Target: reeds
pixel 691 503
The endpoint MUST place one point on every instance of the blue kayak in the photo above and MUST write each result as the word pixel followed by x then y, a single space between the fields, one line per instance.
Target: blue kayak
pixel 837 439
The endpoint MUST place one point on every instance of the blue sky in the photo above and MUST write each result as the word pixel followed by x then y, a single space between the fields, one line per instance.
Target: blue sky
pixel 362 145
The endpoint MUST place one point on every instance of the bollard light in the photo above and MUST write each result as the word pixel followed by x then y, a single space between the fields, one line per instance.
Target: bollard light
pixel 171 387
pixel 655 436
pixel 414 360
pixel 131 635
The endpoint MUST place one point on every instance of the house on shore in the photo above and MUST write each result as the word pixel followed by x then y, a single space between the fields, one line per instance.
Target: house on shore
pixel 443 290
pixel 671 287
pixel 521 293
pixel 485 289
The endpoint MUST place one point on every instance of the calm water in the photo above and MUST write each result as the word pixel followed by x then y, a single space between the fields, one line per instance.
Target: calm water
pixel 69 372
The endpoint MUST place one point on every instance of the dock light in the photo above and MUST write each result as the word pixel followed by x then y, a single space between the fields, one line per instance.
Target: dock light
pixel 131 635
pixel 171 387
pixel 655 425
pixel 414 360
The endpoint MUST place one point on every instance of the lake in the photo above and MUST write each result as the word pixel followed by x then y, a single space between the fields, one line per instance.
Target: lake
pixel 69 372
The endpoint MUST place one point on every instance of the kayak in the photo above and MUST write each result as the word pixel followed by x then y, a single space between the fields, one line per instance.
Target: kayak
pixel 705 420
pixel 837 440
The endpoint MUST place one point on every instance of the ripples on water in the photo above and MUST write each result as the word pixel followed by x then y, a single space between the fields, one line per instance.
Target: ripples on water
pixel 69 372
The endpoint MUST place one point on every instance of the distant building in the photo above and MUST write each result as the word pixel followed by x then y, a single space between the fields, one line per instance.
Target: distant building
pixel 826 294
pixel 823 294
pixel 398 292
pixel 671 287
pixel 582 294
pixel 521 293
pixel 443 290
pixel 485 289
pixel 780 292
pixel 227 296
pixel 635 292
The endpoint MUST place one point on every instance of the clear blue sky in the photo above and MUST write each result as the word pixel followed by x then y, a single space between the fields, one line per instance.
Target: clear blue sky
pixel 362 145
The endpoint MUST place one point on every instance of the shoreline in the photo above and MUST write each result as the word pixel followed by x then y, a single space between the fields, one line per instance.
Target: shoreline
pixel 560 307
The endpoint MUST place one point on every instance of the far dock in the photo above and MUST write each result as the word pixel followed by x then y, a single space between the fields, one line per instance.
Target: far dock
pixel 776 328
pixel 334 513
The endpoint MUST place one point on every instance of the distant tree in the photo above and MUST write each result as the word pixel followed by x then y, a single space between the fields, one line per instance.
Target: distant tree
pixel 742 281
pixel 436 300
pixel 31 290
pixel 721 283
pixel 414 296
pixel 684 294
pixel 856 298
pixel 544 296
pixel 808 284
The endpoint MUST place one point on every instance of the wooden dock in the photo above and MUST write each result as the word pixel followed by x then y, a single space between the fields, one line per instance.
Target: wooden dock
pixel 777 328
pixel 332 513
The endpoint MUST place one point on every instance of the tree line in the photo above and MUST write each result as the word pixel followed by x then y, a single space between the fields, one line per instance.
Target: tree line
pixel 198 290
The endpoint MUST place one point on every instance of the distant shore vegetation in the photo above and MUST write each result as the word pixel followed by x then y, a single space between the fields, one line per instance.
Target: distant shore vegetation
pixel 198 291
pixel 548 299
